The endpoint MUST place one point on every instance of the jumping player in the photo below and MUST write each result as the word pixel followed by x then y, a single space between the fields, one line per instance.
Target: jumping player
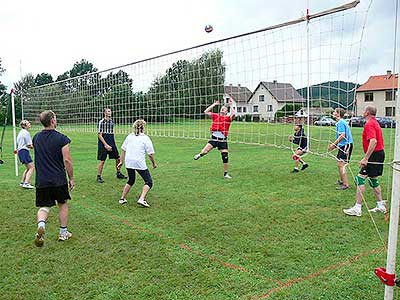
pixel 219 133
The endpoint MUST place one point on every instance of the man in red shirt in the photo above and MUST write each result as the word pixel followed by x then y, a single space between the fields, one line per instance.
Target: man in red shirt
pixel 371 166
pixel 219 133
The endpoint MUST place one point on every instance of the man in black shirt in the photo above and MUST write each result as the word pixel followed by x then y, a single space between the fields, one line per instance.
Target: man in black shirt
pixel 52 159
pixel 106 145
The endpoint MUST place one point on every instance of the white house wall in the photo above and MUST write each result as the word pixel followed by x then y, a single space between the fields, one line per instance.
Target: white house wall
pixel 379 102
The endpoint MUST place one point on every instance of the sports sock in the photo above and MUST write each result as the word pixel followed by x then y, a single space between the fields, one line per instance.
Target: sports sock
pixel 357 206
pixel 63 230
pixel 41 224
pixel 380 204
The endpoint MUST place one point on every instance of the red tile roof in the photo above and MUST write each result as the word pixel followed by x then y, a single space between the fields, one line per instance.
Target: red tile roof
pixel 380 82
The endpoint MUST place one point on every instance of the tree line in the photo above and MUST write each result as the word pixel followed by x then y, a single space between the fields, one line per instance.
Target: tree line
pixel 78 96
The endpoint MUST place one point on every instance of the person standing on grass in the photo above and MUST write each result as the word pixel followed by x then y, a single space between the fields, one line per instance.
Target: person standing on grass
pixel 219 134
pixel 299 138
pixel 52 160
pixel 134 150
pixel 371 166
pixel 106 145
pixel 344 144
pixel 24 143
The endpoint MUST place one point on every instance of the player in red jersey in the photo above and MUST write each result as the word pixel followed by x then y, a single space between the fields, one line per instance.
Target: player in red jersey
pixel 219 133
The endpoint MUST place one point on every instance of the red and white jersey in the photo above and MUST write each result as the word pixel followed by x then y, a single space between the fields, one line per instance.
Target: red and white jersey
pixel 220 123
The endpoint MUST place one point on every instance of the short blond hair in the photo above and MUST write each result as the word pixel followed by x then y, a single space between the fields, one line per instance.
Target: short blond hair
pixel 139 126
pixel 23 123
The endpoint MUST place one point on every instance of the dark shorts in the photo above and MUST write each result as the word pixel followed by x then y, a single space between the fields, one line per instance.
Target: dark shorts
pixel 304 150
pixel 102 153
pixel 344 152
pixel 374 167
pixel 50 196
pixel 24 156
pixel 145 174
pixel 219 143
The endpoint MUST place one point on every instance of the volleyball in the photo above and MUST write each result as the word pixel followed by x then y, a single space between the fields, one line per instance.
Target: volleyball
pixel 208 28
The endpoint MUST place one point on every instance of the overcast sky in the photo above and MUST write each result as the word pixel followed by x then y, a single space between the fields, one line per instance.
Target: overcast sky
pixel 50 36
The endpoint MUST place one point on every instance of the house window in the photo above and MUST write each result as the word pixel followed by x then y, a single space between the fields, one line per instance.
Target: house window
pixel 255 108
pixel 389 111
pixel 260 98
pixel 239 109
pixel 269 107
pixel 244 109
pixel 369 97
pixel 389 96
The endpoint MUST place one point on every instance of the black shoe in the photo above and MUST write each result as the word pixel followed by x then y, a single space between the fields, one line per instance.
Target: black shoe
pixel 121 176
pixel 305 166
pixel 100 179
pixel 295 171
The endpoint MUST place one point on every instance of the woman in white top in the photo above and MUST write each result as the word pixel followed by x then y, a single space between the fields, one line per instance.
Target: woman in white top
pixel 24 143
pixel 134 150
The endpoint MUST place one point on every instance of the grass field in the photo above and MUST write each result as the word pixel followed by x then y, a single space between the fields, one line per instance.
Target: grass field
pixel 265 234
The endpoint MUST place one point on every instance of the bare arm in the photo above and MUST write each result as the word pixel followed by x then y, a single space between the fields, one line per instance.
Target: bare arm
pixel 208 109
pixel 153 161
pixel 371 148
pixel 233 109
pixel 333 145
pixel 68 165
pixel 121 159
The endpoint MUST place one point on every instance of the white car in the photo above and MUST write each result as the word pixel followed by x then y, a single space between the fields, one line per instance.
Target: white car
pixel 325 121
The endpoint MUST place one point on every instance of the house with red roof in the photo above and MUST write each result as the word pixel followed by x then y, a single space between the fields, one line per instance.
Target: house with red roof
pixel 379 91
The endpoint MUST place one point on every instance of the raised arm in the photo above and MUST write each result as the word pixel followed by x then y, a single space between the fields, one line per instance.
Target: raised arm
pixel 208 109
pixel 233 109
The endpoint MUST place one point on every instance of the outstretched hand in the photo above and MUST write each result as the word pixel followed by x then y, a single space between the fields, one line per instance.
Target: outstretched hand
pixel 216 102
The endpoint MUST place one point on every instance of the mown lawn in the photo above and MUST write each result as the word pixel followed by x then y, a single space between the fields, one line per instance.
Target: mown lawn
pixel 265 234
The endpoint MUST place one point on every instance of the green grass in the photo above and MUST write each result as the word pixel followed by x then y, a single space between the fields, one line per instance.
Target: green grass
pixel 265 234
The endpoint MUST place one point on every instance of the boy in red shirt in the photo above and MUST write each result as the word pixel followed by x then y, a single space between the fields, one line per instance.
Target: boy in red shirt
pixel 371 166
pixel 219 133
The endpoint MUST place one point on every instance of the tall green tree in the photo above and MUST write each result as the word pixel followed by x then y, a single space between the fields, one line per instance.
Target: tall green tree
pixel 43 78
pixel 187 88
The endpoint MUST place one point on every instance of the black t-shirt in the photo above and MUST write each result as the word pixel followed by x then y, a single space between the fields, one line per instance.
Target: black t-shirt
pixel 300 139
pixel 49 162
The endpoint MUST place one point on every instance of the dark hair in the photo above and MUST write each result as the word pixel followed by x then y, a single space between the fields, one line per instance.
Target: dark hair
pixel 104 111
pixel 340 111
pixel 46 117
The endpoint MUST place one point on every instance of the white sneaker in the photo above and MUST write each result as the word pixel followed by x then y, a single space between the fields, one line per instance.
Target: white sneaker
pixel 64 237
pixel 122 201
pixel 143 202
pixel 227 176
pixel 352 211
pixel 39 238
pixel 378 209
pixel 27 186
pixel 197 156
